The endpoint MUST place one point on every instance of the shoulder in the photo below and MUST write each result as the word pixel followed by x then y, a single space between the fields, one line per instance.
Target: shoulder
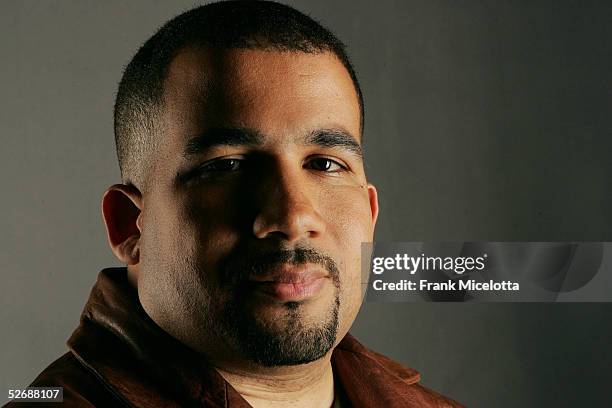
pixel 383 379
pixel 81 387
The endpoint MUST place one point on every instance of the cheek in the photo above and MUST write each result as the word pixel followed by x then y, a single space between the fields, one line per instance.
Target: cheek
pixel 350 224
pixel 165 253
pixel 170 243
pixel 180 252
pixel 166 234
pixel 349 219
pixel 192 217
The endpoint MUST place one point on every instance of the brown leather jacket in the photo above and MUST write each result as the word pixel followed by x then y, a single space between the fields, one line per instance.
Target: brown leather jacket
pixel 119 357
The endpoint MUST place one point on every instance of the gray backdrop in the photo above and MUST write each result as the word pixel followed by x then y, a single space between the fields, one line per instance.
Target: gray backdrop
pixel 485 121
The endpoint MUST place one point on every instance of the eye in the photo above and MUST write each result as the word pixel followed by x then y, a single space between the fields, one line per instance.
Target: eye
pixel 216 168
pixel 221 165
pixel 325 164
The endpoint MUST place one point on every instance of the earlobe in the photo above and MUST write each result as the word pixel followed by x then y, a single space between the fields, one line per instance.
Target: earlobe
pixel 373 196
pixel 121 209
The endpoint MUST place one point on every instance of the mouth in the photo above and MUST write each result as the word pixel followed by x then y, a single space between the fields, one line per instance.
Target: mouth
pixel 290 283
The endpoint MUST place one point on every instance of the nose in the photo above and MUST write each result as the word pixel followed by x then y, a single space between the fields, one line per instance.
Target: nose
pixel 286 210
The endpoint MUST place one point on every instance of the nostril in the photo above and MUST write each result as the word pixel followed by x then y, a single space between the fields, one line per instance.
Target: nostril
pixel 289 222
pixel 285 206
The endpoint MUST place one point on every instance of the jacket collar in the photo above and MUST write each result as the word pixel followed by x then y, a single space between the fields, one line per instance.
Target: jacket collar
pixel 144 366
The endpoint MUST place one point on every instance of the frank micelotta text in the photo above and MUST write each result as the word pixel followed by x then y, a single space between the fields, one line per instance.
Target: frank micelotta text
pixel 449 285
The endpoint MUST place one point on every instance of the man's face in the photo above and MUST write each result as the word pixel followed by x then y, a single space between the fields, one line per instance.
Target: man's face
pixel 251 230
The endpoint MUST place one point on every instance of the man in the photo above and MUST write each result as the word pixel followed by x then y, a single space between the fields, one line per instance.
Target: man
pixel 240 218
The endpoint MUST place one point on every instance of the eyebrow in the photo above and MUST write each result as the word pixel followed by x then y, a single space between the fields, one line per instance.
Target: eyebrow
pixel 335 138
pixel 216 137
pixel 221 137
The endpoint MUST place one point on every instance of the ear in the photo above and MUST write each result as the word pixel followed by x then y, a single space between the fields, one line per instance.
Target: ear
pixel 373 195
pixel 121 209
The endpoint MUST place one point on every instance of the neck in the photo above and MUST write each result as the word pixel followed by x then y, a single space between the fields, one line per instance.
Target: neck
pixel 306 385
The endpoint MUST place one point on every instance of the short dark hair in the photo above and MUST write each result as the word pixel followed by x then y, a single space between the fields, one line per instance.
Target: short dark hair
pixel 226 24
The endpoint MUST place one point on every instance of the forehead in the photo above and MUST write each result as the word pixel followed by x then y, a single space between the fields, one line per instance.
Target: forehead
pixel 277 93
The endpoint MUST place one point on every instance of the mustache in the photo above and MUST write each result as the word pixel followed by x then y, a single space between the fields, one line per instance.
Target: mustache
pixel 241 268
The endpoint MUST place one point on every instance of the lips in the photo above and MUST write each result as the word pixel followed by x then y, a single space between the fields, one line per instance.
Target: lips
pixel 289 282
